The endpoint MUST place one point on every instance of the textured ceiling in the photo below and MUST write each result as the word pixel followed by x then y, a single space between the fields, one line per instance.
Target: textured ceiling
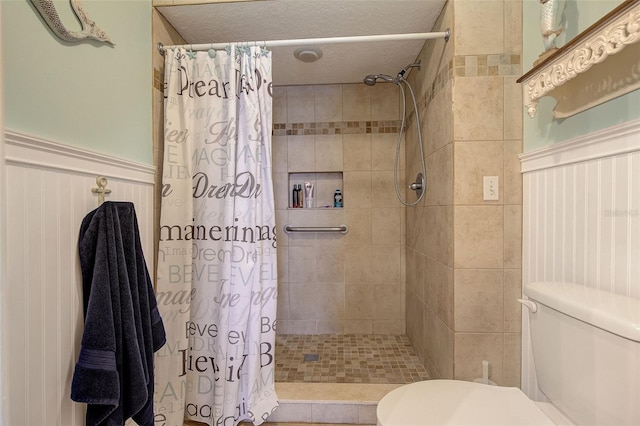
pixel 296 19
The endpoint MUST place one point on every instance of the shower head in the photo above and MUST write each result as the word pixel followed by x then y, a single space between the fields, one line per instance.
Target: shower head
pixel 371 79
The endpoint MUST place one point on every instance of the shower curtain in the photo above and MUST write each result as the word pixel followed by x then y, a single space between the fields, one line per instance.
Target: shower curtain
pixel 216 280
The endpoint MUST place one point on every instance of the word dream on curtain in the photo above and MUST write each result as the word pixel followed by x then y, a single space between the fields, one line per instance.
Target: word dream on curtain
pixel 217 276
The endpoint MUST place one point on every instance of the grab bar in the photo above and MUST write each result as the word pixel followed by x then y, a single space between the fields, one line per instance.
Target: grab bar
pixel 343 229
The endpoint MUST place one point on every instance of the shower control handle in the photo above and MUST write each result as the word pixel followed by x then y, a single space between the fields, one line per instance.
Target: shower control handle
pixel 418 185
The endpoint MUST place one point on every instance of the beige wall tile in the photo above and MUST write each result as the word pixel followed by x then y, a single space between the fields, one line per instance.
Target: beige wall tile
pixel 479 304
pixel 513 236
pixel 328 153
pixel 356 102
pixel 359 222
pixel 478 236
pixel 415 273
pixel 438 290
pixel 328 103
pixel 437 126
pixel 473 161
pixel 279 156
pixel 385 102
pixel 330 326
pixel 356 152
pixel 439 345
pixel 383 189
pixel 386 227
pixel 383 151
pixel 330 218
pixel 301 305
pixel 283 301
pixel 512 356
pixel 358 261
pixel 281 190
pixel 302 266
pixel 329 299
pixel 512 177
pixel 279 106
pixel 486 110
pixel 283 264
pixel 473 97
pixel 301 217
pixel 512 308
pixel 479 27
pixel 300 104
pixel 439 233
pixel 415 322
pixel 356 326
pixel 411 146
pixel 513 108
pixel 386 299
pixel 297 327
pixel 388 327
pixel 359 302
pixel 282 218
pixel 357 190
pixel 471 349
pixel 385 265
pixel 440 176
pixel 414 225
pixel 301 154
pixel 513 27
pixel 330 265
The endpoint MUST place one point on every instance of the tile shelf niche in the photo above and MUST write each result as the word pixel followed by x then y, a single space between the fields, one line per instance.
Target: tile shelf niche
pixel 324 186
pixel 599 64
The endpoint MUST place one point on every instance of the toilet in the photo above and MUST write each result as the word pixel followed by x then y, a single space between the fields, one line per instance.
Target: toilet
pixel 586 352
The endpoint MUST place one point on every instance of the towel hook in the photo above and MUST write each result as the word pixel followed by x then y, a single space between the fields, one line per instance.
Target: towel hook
pixel 101 190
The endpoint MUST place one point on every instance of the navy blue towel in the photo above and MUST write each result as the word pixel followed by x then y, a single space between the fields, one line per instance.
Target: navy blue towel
pixel 122 326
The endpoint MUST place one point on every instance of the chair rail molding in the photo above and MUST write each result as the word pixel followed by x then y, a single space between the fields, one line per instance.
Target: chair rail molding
pixel 599 64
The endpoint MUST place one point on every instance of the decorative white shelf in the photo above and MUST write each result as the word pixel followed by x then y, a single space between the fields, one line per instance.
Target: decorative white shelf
pixel 599 64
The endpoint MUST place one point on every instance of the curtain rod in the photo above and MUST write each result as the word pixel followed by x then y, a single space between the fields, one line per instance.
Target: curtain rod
pixel 307 41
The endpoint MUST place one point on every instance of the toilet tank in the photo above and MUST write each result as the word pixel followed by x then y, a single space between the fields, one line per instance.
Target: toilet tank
pixel 586 350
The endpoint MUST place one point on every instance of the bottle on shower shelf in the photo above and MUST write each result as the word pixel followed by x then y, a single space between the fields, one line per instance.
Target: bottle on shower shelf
pixel 337 198
pixel 294 196
pixel 300 196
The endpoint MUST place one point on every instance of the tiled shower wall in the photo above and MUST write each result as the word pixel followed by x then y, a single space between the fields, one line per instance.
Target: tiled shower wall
pixel 341 136
pixel 463 253
pixel 330 283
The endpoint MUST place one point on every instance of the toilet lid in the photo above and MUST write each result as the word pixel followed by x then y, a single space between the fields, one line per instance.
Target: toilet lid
pixel 455 402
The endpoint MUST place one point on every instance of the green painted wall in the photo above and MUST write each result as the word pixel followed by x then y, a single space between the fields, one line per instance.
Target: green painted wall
pixel 544 130
pixel 88 94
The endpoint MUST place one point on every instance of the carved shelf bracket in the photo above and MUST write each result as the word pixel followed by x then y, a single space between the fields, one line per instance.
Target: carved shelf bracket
pixel 601 63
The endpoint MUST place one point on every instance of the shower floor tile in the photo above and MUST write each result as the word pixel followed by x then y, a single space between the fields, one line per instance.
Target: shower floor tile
pixel 347 358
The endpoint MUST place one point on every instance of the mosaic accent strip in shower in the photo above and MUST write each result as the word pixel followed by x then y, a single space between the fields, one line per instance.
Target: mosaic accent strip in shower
pixel 347 358
pixel 336 128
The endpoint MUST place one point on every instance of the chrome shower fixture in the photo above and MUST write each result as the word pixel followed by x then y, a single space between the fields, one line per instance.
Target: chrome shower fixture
pixel 419 186
pixel 372 79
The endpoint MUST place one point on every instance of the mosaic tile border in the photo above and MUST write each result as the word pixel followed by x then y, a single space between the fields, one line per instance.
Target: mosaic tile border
pixel 471 66
pixel 336 128
pixel 459 66
pixel 487 65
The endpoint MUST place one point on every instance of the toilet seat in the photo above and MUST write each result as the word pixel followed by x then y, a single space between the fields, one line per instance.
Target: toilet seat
pixel 455 402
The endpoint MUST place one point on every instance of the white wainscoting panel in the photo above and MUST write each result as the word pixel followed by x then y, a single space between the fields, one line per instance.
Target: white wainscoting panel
pixel 581 217
pixel 48 194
